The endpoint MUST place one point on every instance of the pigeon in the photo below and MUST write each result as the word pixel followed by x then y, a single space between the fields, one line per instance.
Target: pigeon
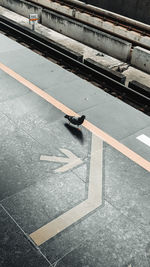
pixel 75 120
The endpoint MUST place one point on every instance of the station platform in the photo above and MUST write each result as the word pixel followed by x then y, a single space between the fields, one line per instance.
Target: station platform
pixel 69 197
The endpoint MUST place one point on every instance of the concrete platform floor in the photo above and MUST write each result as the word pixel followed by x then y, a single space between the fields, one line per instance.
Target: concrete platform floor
pixel 69 197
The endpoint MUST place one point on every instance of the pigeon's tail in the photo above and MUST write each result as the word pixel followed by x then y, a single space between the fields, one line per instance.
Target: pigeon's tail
pixel 66 116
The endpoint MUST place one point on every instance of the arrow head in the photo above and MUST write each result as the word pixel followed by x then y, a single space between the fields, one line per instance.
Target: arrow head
pixel 72 160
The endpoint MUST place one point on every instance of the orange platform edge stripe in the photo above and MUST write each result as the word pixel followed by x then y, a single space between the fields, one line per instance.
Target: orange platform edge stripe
pixel 92 128
pixel 33 19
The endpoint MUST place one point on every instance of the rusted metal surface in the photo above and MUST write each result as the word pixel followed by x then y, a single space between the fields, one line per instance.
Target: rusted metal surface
pixel 106 15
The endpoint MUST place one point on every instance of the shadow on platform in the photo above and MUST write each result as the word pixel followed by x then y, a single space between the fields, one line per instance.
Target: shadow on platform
pixel 76 132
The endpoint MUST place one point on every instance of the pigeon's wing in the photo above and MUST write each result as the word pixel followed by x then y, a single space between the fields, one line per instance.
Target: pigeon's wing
pixel 74 120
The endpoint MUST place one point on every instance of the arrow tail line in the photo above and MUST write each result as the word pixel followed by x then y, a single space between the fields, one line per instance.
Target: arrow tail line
pixel 60 223
pixel 54 159
pixel 95 177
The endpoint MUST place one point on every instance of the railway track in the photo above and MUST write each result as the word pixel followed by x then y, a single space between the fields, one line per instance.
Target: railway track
pixel 109 16
pixel 143 30
pixel 74 63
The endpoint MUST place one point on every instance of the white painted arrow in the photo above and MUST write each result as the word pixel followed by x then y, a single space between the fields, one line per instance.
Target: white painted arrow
pixel 93 201
pixel 72 160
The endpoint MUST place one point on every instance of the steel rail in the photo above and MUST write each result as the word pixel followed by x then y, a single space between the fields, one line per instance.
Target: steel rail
pixel 105 14
pixel 134 42
pixel 108 14
pixel 43 44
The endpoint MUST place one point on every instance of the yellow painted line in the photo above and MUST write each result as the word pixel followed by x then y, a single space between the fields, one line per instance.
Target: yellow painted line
pixel 120 147
pixel 93 201
pixel 92 128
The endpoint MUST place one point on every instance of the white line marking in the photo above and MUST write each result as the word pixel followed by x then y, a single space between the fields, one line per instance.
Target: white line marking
pixel 144 139
pixel 71 159
pixel 94 199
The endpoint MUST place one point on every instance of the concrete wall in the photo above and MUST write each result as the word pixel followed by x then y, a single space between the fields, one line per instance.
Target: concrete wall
pixel 97 39
pixel 21 7
pixel 106 43
pixel 141 58
pixel 135 9
pixel 95 21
